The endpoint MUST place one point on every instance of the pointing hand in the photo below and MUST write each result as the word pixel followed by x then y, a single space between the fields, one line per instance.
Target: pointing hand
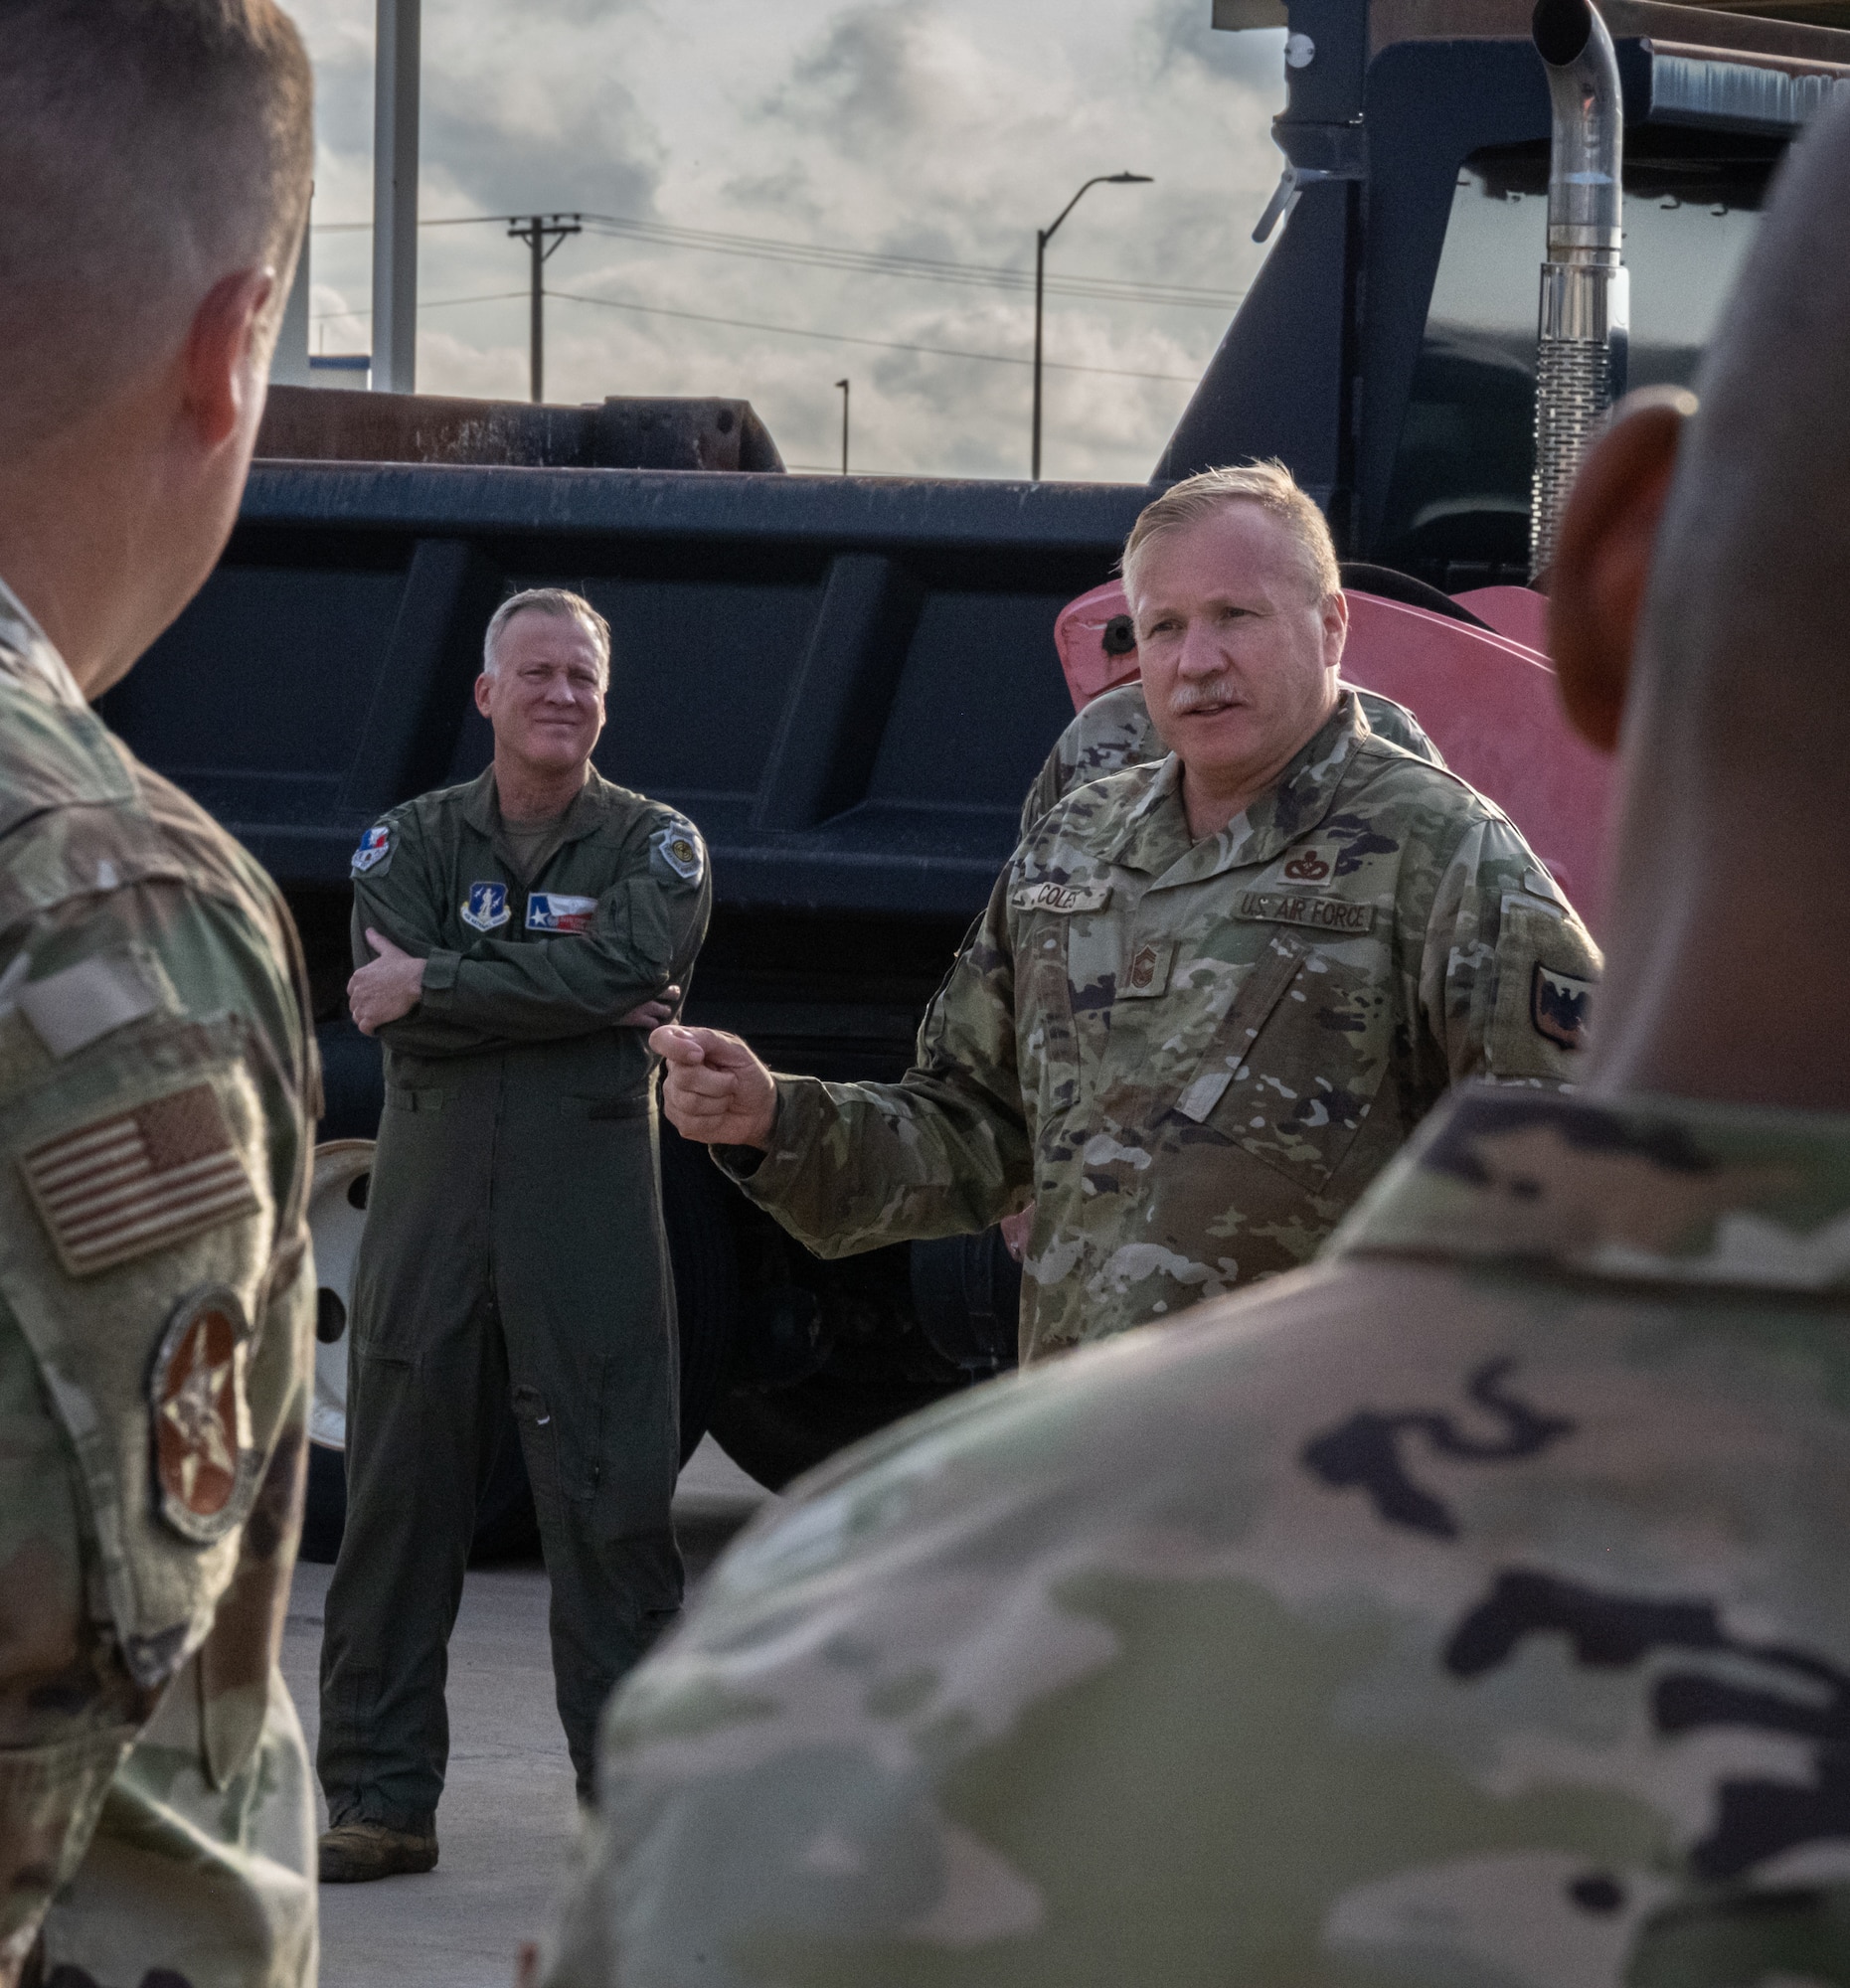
pixel 716 1090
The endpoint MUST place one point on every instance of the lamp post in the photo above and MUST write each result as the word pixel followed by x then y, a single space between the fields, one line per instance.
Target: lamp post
pixel 1041 237
pixel 843 385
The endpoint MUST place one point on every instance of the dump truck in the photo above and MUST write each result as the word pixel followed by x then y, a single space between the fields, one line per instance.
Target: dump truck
pixel 849 682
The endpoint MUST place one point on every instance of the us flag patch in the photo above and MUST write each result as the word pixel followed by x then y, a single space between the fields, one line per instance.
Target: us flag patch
pixel 124 1185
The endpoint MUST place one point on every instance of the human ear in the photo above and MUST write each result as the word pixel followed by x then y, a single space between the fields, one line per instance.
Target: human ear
pixel 484 693
pixel 1602 557
pixel 1335 628
pixel 220 380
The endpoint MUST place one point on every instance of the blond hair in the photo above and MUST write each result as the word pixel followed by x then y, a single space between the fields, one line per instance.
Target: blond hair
pixel 1271 487
pixel 562 605
pixel 148 148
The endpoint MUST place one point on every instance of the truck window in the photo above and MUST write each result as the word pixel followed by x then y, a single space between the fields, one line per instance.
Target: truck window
pixel 1458 510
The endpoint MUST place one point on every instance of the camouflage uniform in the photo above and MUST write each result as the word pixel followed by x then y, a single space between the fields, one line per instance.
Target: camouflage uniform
pixel 157 1082
pixel 1196 1055
pixel 1466 1610
pixel 1114 731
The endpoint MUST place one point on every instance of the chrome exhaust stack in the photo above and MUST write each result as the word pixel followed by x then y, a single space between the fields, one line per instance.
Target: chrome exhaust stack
pixel 1585 315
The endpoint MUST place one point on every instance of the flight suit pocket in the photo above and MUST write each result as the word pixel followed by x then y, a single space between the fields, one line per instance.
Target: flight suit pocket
pixel 651 938
pixel 423 1099
pixel 1293 1070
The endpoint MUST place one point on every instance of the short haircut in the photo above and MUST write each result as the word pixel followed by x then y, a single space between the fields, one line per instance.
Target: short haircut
pixel 562 605
pixel 1271 487
pixel 148 148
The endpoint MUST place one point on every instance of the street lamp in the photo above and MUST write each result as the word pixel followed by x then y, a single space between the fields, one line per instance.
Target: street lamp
pixel 1041 237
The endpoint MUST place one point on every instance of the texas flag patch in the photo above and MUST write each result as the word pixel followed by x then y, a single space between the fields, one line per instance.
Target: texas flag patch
pixel 555 911
pixel 375 847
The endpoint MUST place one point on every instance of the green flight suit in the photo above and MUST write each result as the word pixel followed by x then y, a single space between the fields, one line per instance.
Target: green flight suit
pixel 157 1085
pixel 513 1246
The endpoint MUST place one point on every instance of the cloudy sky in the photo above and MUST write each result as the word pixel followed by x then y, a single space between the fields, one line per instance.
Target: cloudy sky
pixel 932 129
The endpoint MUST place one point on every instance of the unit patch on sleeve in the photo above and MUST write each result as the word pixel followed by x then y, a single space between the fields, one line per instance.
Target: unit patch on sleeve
pixel 375 848
pixel 131 1182
pixel 677 849
pixel 555 911
pixel 1558 1006
pixel 205 1462
pixel 486 907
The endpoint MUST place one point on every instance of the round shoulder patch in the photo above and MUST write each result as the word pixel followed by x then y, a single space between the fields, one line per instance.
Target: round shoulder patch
pixel 677 851
pixel 204 1464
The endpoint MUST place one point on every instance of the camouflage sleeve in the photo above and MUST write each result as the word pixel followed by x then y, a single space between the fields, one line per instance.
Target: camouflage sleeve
pixel 1509 970
pixel 644 937
pixel 942 1152
pixel 155 1327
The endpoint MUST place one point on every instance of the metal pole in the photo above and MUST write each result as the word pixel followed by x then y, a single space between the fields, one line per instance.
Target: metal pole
pixel 1040 269
pixel 395 197
pixel 538 362
pixel 843 385
pixel 542 237
pixel 1041 237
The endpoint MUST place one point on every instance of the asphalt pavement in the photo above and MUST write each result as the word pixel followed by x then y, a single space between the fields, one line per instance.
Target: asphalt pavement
pixel 508 1817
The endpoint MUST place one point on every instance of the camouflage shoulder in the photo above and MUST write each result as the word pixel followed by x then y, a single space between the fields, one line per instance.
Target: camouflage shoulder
pixel 1397 726
pixel 52 757
pixel 84 818
pixel 1088 817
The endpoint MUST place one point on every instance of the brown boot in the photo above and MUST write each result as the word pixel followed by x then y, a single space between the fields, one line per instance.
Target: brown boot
pixel 355 1853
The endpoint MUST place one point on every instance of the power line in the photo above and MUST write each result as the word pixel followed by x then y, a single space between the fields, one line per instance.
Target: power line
pixel 816 255
pixel 786 331
pixel 426 304
pixel 883 344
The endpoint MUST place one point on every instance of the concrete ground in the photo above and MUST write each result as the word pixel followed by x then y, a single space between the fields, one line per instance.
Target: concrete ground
pixel 507 1819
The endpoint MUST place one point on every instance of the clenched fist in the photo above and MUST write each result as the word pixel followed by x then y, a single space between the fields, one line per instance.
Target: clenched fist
pixel 716 1090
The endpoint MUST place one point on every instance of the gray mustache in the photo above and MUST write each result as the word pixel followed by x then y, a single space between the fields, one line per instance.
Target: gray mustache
pixel 1199 698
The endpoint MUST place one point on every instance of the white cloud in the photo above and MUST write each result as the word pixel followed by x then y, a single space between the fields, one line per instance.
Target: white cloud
pixel 945 128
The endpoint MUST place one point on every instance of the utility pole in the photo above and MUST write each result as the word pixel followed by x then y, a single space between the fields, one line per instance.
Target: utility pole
pixel 395 197
pixel 1041 237
pixel 542 236
pixel 843 385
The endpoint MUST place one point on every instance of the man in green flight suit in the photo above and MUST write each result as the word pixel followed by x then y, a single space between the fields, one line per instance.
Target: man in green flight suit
pixel 1470 1608
pixel 158 1081
pixel 518 935
pixel 1210 997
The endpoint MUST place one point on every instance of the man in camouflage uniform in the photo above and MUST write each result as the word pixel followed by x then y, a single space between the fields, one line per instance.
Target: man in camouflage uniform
pixel 1114 731
pixel 1470 1608
pixel 521 935
pixel 157 1073
pixel 1210 997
